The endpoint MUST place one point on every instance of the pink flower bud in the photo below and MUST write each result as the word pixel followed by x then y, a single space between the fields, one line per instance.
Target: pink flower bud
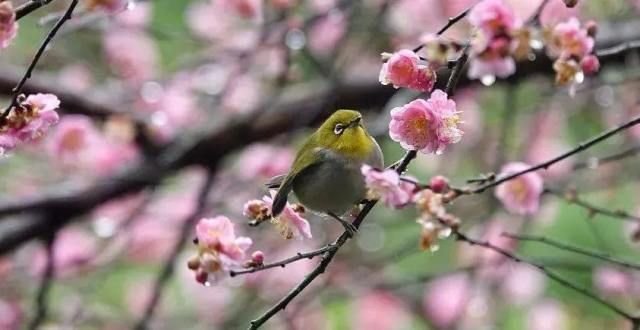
pixel 257 257
pixel 193 263
pixel 201 276
pixel 592 28
pixel 590 64
pixel 439 184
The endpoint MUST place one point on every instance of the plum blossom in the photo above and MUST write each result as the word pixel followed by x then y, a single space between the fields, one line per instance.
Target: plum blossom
pixel 499 67
pixel 611 281
pixel 136 16
pixel 402 69
pixel 590 64
pixel 493 16
pixel 428 126
pixel 570 40
pixel 380 310
pixel 8 25
pixel 109 6
pixel 72 141
pixel 244 8
pixel 433 218
pixel 325 34
pixel 28 120
pixel 387 186
pixel 264 161
pixel 547 315
pixel 446 298
pixel 73 248
pixel 520 195
pixel 290 222
pixel 131 54
pixel 218 247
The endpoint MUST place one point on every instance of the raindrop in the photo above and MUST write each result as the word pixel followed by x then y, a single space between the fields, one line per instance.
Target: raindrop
pixel 207 284
pixel 531 57
pixel 579 77
pixel 295 39
pixel 159 118
pixel 488 80
pixel 536 44
pixel 131 5
pixel 104 227
pixel 434 248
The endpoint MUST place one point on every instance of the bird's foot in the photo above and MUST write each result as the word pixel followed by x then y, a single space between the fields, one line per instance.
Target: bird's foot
pixel 348 226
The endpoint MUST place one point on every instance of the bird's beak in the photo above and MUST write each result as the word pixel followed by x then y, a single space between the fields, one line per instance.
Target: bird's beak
pixel 355 122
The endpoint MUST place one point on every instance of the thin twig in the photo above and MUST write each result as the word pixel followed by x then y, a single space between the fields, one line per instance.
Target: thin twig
pixel 16 90
pixel 535 18
pixel 29 7
pixel 573 198
pixel 575 249
pixel 41 306
pixel 617 49
pixel 167 272
pixel 450 22
pixel 284 262
pixel 595 162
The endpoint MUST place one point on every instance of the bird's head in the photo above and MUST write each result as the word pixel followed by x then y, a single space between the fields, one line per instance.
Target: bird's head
pixel 344 133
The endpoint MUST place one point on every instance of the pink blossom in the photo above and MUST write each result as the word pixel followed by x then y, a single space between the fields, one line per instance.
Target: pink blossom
pixel 72 140
pixel 29 120
pixel 109 6
pixel 76 77
pixel 326 32
pixel 569 40
pixel 547 315
pixel 290 223
pixel 611 281
pixel 428 126
pixel 380 310
pixel 497 67
pixel 131 54
pixel 520 195
pixel 590 64
pixel 244 8
pixel 264 161
pixel 8 25
pixel 387 186
pixel 243 94
pixel 402 70
pixel 493 17
pixel 218 234
pixel 523 284
pixel 150 239
pixel 110 156
pixel 446 299
pixel 73 248
pixel 11 315
pixel 136 17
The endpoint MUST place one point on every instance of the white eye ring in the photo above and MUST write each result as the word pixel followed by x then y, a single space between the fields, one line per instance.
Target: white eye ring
pixel 338 129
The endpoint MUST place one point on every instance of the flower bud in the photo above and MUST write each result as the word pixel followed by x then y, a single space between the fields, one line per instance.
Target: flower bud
pixel 592 28
pixel 193 263
pixel 590 64
pixel 257 258
pixel 201 276
pixel 439 184
pixel 570 3
pixel 255 209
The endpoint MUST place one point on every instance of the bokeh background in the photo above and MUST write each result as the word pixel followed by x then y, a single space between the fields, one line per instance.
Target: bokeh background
pixel 165 73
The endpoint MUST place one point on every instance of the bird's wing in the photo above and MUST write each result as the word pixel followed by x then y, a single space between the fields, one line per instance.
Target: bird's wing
pixel 305 160
pixel 276 181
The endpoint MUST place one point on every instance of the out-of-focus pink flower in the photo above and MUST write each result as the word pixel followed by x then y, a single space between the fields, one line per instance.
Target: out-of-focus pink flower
pixel 151 239
pixel 555 12
pixel 520 195
pixel 8 25
pixel 110 156
pixel 76 77
pixel 386 186
pixel 409 18
pixel 244 8
pixel 523 284
pixel 380 310
pixel 243 95
pixel 498 67
pixel 428 126
pixel 137 15
pixel 611 281
pixel 493 17
pixel 403 70
pixel 72 140
pixel 326 32
pixel 590 64
pixel 283 4
pixel 547 315
pixel 72 249
pixel 569 40
pixel 109 6
pixel 131 54
pixel 290 222
pixel 264 161
pixel 446 299
pixel 11 315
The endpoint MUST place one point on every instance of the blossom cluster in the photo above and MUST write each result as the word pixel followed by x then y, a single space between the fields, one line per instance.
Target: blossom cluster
pixel 218 248
pixel 8 25
pixel 572 46
pixel 520 195
pixel 28 120
pixel 403 69
pixel 289 222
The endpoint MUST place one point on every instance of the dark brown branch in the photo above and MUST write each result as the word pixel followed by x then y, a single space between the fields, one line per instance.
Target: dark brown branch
pixel 167 272
pixel 535 18
pixel 29 7
pixel 450 22
pixel 18 89
pixel 575 249
pixel 284 262
pixel 45 284
pixel 572 198
pixel 550 274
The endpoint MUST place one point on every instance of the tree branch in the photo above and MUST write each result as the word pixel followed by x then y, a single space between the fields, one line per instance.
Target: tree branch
pixel 45 284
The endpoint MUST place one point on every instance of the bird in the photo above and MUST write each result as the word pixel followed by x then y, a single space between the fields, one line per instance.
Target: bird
pixel 326 173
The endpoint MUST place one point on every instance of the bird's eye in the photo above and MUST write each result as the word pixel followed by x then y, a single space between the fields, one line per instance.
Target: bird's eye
pixel 338 129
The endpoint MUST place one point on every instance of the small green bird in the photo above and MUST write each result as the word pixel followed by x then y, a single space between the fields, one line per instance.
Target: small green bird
pixel 325 175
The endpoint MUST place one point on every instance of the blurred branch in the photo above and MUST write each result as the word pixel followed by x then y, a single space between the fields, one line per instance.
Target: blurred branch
pixel 594 162
pixel 549 273
pixel 45 284
pixel 572 198
pixel 167 272
pixel 575 249
pixel 18 88
pixel 535 18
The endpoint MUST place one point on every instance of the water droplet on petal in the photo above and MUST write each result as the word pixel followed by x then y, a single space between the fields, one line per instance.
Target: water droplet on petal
pixel 536 44
pixel 207 284
pixel 444 232
pixel 131 5
pixel 579 77
pixel 434 247
pixel 488 80
pixel 531 57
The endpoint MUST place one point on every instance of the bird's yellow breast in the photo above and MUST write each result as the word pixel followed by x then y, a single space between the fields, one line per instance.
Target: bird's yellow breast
pixel 355 143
